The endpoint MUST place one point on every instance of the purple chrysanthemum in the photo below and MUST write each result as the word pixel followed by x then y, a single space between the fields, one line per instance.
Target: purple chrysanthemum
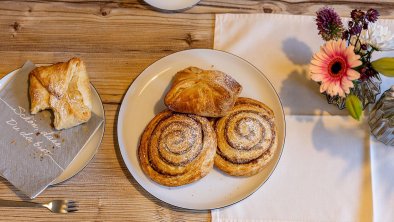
pixel 372 15
pixel 329 24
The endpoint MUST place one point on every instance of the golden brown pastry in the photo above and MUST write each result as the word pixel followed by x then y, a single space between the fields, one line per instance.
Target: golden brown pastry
pixel 246 137
pixel 177 149
pixel 64 88
pixel 209 93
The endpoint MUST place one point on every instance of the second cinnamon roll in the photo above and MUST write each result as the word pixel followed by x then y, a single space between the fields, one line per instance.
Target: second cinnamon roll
pixel 246 137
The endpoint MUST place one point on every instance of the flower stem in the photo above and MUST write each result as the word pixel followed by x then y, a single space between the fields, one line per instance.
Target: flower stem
pixel 358 38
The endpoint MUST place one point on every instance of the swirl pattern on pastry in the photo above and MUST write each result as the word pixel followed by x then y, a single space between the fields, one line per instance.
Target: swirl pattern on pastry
pixel 177 149
pixel 246 138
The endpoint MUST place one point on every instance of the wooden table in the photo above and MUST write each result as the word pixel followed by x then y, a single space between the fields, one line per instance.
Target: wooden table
pixel 118 39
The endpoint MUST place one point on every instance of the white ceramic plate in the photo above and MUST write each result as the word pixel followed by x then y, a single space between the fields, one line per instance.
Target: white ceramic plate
pixel 172 5
pixel 91 147
pixel 144 99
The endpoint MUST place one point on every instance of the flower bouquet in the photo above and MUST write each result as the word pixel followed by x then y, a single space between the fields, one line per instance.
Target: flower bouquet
pixel 343 66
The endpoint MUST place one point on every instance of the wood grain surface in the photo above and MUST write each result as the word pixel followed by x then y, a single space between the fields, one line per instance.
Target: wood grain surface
pixel 117 40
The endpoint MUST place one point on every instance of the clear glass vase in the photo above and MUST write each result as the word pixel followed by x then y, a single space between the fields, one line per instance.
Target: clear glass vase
pixel 366 90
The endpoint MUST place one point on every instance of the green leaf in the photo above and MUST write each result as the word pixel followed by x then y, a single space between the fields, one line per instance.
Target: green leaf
pixel 353 105
pixel 384 66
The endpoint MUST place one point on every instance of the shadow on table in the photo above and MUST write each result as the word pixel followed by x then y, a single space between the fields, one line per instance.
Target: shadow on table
pixel 299 94
pixel 340 141
pixel 337 142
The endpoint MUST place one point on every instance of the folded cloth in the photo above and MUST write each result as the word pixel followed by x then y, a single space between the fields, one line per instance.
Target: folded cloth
pixel 382 163
pixel 325 170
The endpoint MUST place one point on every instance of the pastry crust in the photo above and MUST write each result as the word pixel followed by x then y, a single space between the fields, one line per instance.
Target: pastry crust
pixel 246 137
pixel 208 93
pixel 63 88
pixel 177 149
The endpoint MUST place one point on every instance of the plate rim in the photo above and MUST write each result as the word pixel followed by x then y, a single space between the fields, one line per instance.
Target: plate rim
pixel 171 10
pixel 122 113
pixel 98 144
pixel 54 183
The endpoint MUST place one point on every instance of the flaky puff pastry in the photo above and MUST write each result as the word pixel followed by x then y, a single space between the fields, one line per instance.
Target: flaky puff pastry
pixel 247 138
pixel 64 88
pixel 208 93
pixel 177 149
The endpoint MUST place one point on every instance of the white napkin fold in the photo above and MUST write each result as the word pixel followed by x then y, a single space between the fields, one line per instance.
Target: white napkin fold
pixel 382 163
pixel 325 170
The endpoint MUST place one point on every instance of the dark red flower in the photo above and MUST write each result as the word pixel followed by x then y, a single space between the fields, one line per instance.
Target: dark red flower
pixel 367 71
pixel 357 15
pixel 345 34
pixel 372 15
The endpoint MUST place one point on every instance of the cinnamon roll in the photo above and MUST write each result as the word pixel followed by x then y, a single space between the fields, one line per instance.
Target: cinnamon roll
pixel 246 138
pixel 177 149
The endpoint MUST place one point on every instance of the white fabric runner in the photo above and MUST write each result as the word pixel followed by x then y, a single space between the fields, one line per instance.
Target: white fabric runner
pixel 331 169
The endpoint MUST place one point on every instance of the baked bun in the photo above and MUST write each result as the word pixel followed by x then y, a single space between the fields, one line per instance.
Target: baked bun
pixel 177 149
pixel 246 137
pixel 64 88
pixel 208 93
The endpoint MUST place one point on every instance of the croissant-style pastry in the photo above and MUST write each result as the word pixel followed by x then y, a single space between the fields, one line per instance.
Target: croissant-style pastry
pixel 64 88
pixel 246 137
pixel 177 149
pixel 208 93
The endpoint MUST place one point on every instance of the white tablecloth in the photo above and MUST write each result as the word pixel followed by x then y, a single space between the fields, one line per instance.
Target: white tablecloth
pixel 331 168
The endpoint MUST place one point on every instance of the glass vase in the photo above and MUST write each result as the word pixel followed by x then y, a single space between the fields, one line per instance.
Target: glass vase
pixel 366 90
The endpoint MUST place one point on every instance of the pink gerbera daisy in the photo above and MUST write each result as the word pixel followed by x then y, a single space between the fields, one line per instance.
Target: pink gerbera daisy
pixel 332 66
